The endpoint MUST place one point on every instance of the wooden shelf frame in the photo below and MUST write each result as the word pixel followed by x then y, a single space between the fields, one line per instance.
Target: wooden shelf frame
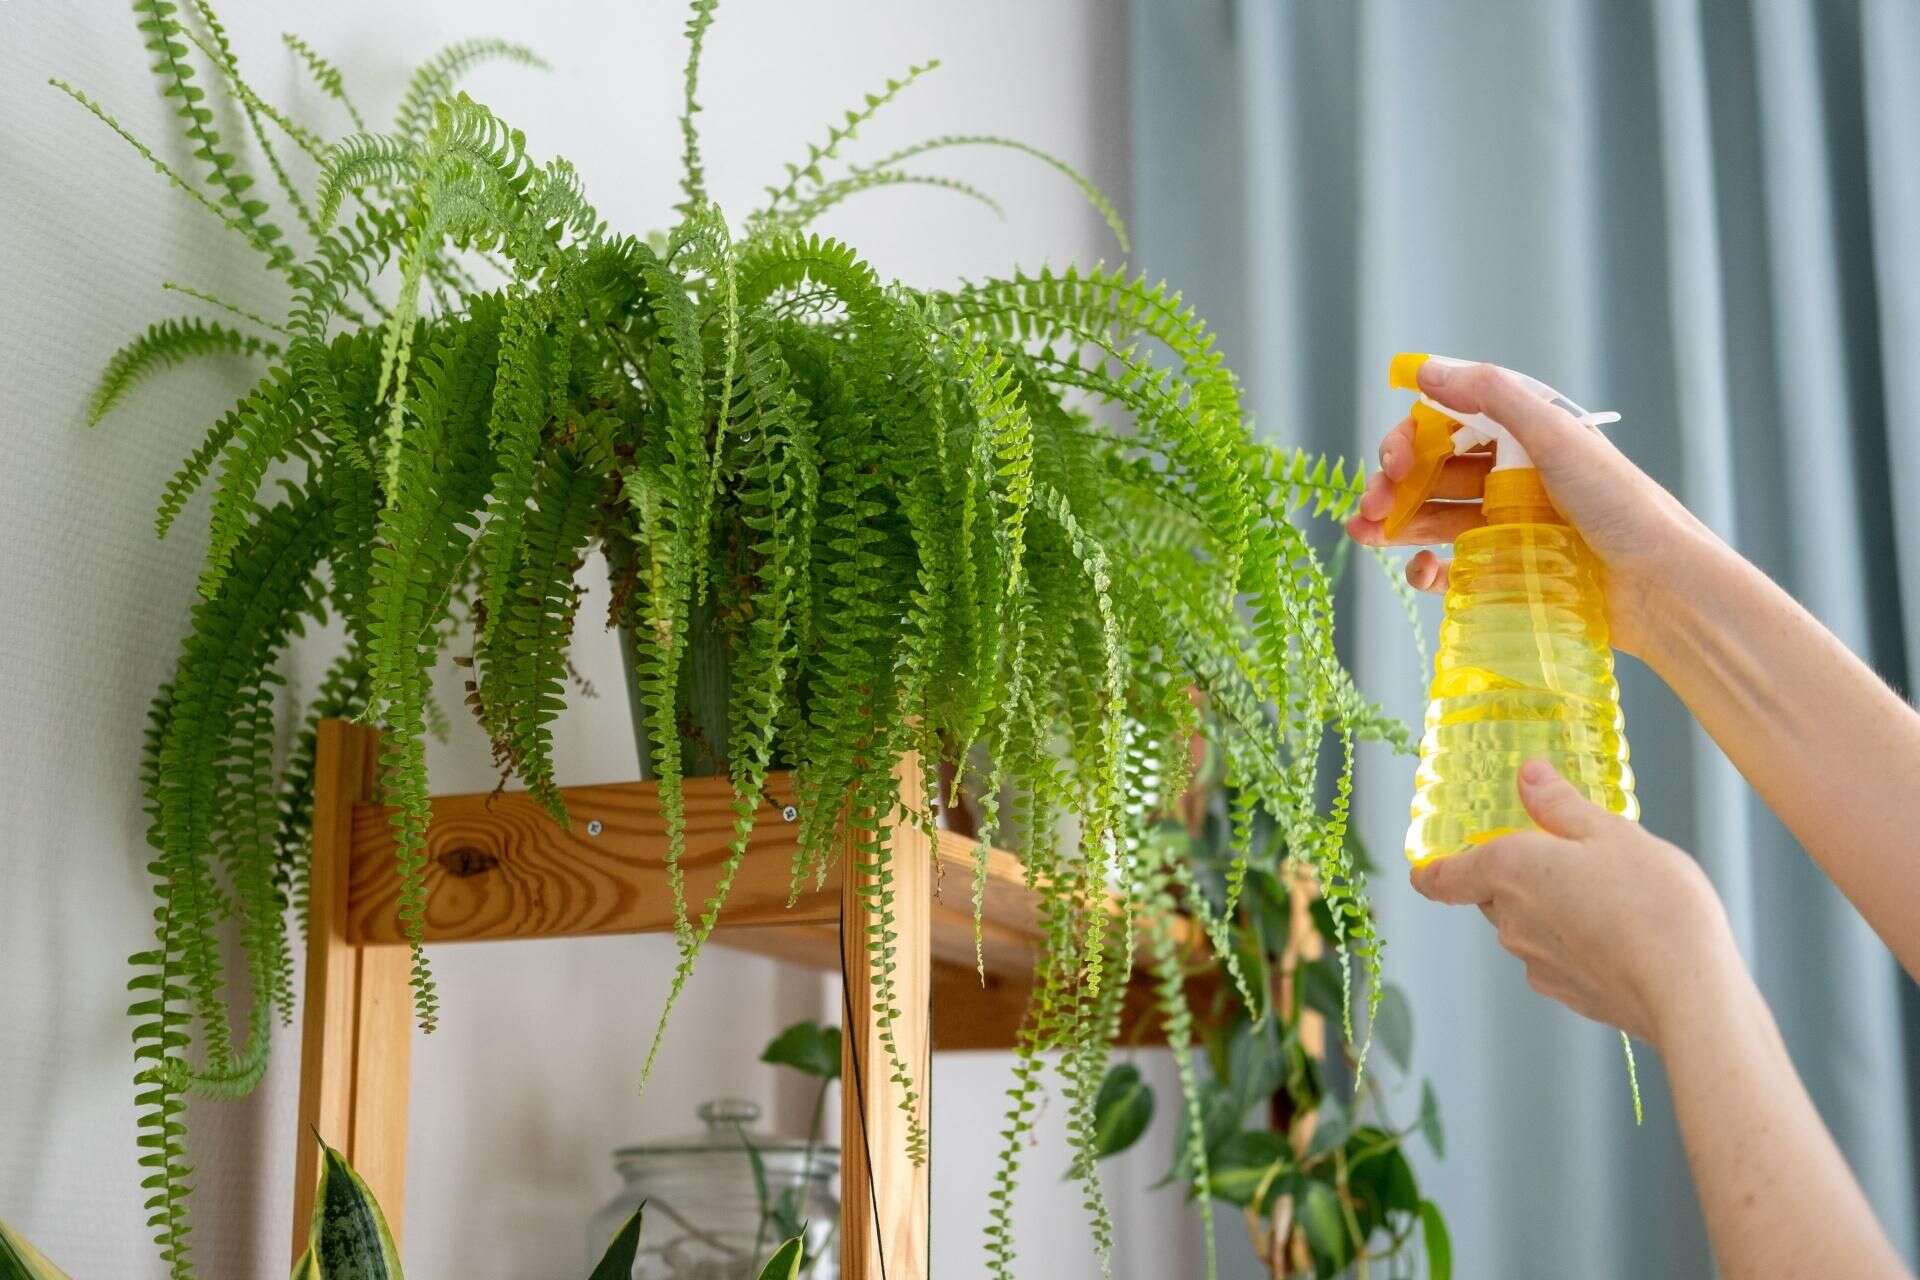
pixel 498 868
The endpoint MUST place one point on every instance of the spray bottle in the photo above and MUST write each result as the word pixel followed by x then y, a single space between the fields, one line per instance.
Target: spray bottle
pixel 1524 669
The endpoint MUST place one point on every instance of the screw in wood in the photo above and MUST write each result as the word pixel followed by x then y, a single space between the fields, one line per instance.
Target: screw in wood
pixel 594 828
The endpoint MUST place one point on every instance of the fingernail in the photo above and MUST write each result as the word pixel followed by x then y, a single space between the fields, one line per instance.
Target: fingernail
pixel 1535 772
pixel 1434 374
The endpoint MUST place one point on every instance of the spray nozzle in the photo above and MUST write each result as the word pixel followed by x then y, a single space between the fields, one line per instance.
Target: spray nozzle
pixel 1440 433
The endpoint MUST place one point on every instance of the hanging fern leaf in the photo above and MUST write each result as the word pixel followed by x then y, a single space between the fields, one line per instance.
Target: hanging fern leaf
pixel 169 342
pixel 325 74
pixel 437 76
pixel 167 40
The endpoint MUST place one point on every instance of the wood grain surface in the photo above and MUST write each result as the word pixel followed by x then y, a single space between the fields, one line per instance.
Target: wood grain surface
pixel 498 866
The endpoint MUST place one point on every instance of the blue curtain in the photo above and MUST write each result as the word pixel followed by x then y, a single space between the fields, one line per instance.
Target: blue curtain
pixel 1705 214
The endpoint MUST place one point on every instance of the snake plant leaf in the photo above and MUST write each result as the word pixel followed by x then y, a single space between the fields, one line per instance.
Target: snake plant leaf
pixel 348 1238
pixel 21 1261
pixel 786 1261
pixel 617 1263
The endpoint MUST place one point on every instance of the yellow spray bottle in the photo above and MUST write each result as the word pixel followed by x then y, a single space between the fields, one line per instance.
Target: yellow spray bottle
pixel 1524 669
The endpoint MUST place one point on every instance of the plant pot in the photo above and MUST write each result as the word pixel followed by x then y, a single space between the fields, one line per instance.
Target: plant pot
pixel 705 683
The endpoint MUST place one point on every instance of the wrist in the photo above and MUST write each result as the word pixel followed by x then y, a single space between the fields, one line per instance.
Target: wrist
pixel 1697 979
pixel 1663 602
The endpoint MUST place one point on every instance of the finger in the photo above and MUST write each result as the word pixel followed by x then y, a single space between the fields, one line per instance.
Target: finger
pixel 1428 572
pixel 1461 478
pixel 1464 475
pixel 1434 522
pixel 1396 450
pixel 1471 876
pixel 1556 805
pixel 1548 433
pixel 1376 500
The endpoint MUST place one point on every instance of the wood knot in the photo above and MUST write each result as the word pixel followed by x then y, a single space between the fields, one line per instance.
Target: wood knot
pixel 467 861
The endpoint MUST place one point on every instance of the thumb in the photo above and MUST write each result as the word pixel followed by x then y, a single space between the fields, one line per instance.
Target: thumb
pixel 1556 804
pixel 1551 436
pixel 1462 878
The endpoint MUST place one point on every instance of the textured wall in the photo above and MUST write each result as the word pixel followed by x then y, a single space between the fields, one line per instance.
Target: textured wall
pixel 531 1078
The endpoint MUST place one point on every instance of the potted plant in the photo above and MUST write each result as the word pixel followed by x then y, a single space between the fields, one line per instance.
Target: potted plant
pixel 897 520
pixel 1293 1135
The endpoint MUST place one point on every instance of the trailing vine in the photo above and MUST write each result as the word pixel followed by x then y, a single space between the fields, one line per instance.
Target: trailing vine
pixel 901 517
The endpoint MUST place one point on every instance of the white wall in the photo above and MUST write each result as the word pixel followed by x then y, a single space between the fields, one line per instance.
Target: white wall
pixel 530 1080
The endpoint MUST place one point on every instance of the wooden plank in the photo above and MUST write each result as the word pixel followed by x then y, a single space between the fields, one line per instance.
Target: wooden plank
pixel 499 867
pixel 968 1014
pixel 382 1076
pixel 883 1192
pixel 344 765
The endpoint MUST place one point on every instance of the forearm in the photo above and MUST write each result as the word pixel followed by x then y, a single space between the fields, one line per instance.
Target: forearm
pixel 1779 1200
pixel 1829 747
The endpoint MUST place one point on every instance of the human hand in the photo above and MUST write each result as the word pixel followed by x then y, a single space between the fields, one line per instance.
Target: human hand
pixel 1633 526
pixel 1610 920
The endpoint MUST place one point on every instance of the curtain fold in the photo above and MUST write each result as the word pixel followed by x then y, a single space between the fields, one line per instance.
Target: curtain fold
pixel 1707 216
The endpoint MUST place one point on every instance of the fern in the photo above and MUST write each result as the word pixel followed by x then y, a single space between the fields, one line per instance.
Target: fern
pixel 325 75
pixel 809 172
pixel 169 342
pixel 167 42
pixel 1086 186
pixel 1019 526
pixel 693 171
pixel 232 309
pixel 435 80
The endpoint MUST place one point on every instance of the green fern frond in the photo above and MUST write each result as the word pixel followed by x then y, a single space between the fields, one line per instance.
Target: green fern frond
pixel 818 153
pixel 1086 186
pixel 325 75
pixel 833 193
pixel 276 254
pixel 168 343
pixel 269 423
pixel 231 308
pixel 360 161
pixel 218 50
pixel 167 39
pixel 524 659
pixel 439 481
pixel 435 79
pixel 693 173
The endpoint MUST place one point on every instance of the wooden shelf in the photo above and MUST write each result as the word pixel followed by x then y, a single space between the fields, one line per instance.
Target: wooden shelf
pixel 499 868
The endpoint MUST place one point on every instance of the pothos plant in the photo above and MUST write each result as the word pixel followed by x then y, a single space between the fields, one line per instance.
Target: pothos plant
pixel 1295 1139
pixel 907 518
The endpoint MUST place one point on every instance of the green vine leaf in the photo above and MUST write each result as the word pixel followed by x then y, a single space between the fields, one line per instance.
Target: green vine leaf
pixel 807 1047
pixel 1122 1110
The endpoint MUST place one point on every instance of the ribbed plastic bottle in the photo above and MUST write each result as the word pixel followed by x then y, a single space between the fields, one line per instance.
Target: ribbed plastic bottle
pixel 1524 669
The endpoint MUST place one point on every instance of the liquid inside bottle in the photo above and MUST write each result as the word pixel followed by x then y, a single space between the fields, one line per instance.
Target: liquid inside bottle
pixel 1524 671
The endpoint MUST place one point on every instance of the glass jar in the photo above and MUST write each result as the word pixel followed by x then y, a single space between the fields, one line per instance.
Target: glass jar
pixel 705 1217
